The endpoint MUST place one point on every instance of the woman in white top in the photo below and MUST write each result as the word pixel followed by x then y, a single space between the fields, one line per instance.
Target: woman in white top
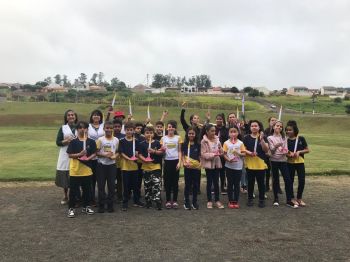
pixel 65 135
pixel 95 131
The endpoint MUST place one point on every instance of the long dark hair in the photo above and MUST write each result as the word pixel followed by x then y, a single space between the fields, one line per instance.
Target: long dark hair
pixel 294 126
pixel 96 112
pixel 222 115
pixel 205 129
pixel 65 120
pixel 261 127
pixel 191 128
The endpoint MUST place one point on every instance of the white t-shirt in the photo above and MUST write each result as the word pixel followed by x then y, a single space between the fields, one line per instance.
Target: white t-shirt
pixel 107 145
pixel 229 148
pixel 172 146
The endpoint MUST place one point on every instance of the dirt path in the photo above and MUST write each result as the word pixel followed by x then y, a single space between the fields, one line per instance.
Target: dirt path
pixel 34 227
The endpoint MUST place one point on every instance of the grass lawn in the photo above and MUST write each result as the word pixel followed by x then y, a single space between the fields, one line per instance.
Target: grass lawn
pixel 28 133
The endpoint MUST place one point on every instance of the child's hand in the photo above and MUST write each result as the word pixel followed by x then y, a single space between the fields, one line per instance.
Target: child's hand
pixel 178 165
pixel 278 145
pixel 207 115
pixel 110 109
pixel 165 113
pixel 82 153
pixel 109 154
pixel 261 136
pixel 253 154
pixel 151 151
pixel 296 154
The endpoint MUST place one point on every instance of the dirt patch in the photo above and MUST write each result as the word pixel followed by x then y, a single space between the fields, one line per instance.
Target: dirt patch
pixel 34 227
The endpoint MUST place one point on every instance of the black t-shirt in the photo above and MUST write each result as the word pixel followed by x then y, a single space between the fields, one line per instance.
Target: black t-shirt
pixel 76 146
pixel 139 137
pixel 302 144
pixel 119 136
pixel 249 143
pixel 126 146
pixel 158 137
pixel 157 159
pixel 195 150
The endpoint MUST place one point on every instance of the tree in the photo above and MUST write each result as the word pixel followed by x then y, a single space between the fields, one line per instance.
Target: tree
pixel 160 80
pixel 48 80
pixel 234 90
pixel 65 80
pixel 247 89
pixel 31 88
pixel 57 79
pixel 253 93
pixel 117 85
pixel 93 79
pixel 82 78
pixel 41 83
pixel 284 91
pixel 100 78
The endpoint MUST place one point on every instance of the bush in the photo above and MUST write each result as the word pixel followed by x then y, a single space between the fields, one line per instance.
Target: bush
pixel 337 100
pixel 347 109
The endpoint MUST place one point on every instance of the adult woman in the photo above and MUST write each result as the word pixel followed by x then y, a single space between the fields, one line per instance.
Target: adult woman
pixel 65 135
pixel 95 131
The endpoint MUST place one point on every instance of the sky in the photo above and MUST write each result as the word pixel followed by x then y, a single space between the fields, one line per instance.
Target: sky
pixel 271 43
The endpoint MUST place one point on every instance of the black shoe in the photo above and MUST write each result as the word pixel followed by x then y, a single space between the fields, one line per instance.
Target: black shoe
pixel 125 207
pixel 187 206
pixel 261 203
pixel 148 204
pixel 195 206
pixel 223 191
pixel 101 209
pixel 159 206
pixel 110 210
pixel 280 191
pixel 267 189
pixel 250 203
pixel 139 204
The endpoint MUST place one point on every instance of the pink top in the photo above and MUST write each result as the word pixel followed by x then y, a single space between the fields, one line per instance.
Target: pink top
pixel 278 154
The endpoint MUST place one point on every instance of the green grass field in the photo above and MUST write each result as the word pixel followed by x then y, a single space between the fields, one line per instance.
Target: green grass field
pixel 28 133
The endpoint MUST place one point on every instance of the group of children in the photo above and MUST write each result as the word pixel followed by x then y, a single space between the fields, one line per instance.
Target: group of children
pixel 121 154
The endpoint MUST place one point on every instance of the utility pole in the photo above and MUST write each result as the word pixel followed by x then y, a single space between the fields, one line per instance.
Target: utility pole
pixel 147 79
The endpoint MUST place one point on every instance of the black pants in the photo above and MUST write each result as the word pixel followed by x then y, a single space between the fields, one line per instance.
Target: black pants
pixel 191 183
pixel 281 166
pixel 139 177
pixel 119 180
pixel 152 185
pixel 300 168
pixel 106 174
pixel 233 181
pixel 222 175
pixel 212 180
pixel 259 175
pixel 130 179
pixel 171 179
pixel 75 182
pixel 268 174
pixel 93 164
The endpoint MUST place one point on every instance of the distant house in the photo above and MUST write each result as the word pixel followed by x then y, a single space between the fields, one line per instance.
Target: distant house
pixel 215 90
pixel 333 92
pixel 140 88
pixel 189 89
pixel 96 88
pixel 299 91
pixel 53 87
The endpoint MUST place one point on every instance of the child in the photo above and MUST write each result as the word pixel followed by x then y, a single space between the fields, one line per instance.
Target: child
pixel 106 170
pixel 140 137
pixel 80 150
pixel 171 144
pixel 297 147
pixel 211 151
pixel 117 130
pixel 256 147
pixel 234 151
pixel 152 169
pixel 278 157
pixel 159 130
pixel 128 149
pixel 192 170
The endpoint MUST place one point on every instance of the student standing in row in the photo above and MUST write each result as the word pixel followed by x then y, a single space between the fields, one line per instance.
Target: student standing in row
pixel 234 151
pixel 192 170
pixel 297 147
pixel 151 157
pixel 278 157
pixel 128 149
pixel 256 149
pixel 211 151
pixel 81 151
pixel 107 147
pixel 117 128
pixel 171 143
